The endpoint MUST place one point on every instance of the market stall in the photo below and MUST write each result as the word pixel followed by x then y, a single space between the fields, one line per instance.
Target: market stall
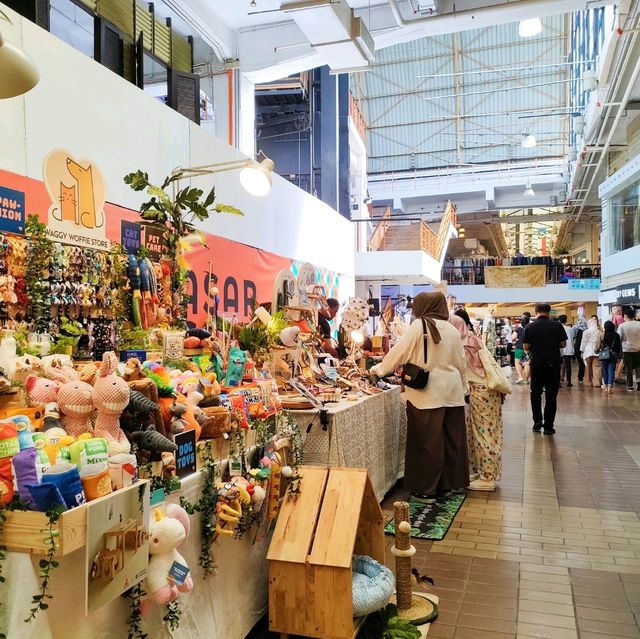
pixel 369 432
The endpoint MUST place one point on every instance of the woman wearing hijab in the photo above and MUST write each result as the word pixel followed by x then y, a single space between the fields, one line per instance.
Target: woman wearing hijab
pixel 588 347
pixel 611 341
pixel 436 457
pixel 484 413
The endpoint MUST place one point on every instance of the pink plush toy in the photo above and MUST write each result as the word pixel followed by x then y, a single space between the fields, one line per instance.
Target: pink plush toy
pixel 110 397
pixel 40 391
pixel 76 405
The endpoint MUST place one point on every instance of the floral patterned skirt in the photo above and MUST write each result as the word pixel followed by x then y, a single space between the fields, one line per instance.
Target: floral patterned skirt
pixel 484 431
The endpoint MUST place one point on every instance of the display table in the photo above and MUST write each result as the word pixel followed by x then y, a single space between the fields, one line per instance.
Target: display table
pixel 223 606
pixel 368 433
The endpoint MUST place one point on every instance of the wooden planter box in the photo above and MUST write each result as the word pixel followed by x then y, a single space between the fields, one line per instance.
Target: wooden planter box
pixel 317 533
pixel 26 531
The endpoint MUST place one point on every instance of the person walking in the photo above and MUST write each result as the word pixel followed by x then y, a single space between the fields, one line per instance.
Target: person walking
pixel 609 351
pixel 543 340
pixel 588 346
pixel 522 366
pixel 436 459
pixel 576 336
pixel 484 413
pixel 567 353
pixel 630 335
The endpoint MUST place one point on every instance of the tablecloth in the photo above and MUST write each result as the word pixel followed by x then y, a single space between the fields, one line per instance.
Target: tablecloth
pixel 224 606
pixel 368 433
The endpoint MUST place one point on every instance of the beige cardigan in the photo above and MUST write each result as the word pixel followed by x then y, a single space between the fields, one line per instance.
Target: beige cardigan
pixel 446 362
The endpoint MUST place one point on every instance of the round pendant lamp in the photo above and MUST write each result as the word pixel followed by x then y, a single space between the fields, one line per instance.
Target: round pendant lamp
pixel 256 178
pixel 17 73
pixel 530 27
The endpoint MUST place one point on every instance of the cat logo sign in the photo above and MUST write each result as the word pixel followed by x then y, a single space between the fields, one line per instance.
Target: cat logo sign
pixel 77 191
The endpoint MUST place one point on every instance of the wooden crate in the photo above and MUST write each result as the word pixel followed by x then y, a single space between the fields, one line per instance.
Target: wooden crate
pixel 26 531
pixel 316 535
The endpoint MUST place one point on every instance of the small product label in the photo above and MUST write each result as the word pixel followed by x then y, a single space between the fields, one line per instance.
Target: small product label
pixel 178 573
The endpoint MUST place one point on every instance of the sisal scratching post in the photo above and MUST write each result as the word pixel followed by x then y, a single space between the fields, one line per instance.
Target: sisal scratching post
pixel 414 607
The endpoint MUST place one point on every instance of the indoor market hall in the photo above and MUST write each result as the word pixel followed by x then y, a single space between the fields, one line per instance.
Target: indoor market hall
pixel 319 319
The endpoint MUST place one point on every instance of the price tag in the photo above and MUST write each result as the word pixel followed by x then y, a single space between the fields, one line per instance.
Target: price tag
pixel 186 453
pixel 178 573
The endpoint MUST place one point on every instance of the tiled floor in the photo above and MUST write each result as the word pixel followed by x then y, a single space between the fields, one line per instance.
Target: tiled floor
pixel 555 551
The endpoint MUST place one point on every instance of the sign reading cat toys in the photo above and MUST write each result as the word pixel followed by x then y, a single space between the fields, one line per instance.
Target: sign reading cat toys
pixel 77 191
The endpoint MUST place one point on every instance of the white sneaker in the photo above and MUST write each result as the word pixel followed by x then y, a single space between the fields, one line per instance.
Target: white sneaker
pixel 482 484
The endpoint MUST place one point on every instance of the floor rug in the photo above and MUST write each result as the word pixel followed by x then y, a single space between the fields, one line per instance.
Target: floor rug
pixel 430 521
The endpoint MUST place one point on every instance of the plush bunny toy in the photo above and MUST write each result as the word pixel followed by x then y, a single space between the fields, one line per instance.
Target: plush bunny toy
pixel 110 397
pixel 74 400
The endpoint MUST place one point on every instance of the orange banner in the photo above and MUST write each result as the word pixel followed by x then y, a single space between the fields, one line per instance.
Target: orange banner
pixel 241 273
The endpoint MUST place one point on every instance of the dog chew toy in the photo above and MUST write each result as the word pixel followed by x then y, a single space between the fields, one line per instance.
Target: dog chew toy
pixel 110 397
pixel 168 573
pixel 153 441
pixel 231 496
pixel 40 391
pixel 75 400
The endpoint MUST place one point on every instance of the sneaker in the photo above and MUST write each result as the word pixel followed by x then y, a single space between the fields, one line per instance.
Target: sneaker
pixel 630 389
pixel 569 384
pixel 482 484
pixel 424 499
pixel 520 381
pixel 580 381
pixel 549 431
pixel 537 428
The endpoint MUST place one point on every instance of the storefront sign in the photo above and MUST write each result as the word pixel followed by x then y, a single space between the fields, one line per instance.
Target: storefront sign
pixel 240 272
pixel 625 293
pixel 130 236
pixel 582 284
pixel 77 194
pixel 11 211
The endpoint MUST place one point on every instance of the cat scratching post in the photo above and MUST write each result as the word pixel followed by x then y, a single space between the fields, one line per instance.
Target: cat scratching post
pixel 412 606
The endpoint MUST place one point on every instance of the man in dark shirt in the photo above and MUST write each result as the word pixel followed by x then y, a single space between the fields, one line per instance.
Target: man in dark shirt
pixel 328 310
pixel 543 340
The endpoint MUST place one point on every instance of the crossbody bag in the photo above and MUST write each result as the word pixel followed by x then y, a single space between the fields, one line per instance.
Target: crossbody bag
pixel 415 376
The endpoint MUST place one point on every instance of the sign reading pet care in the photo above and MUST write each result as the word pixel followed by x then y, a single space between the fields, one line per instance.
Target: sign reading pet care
pixel 77 191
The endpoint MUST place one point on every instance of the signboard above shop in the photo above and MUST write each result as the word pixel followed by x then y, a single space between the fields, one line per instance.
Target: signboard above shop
pixel 625 293
pixel 582 284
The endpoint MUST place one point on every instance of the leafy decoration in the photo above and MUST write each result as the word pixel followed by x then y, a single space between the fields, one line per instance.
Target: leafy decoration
pixel 386 624
pixel 39 253
pixel 172 616
pixel 48 563
pixel 206 506
pixel 176 215
pixel 134 621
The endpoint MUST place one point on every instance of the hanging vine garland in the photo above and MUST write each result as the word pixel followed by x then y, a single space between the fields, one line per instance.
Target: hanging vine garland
pixel 134 621
pixel 39 253
pixel 48 563
pixel 172 615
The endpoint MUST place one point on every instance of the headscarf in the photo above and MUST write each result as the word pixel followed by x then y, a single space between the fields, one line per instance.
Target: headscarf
pixel 431 306
pixel 582 324
pixel 610 334
pixel 472 345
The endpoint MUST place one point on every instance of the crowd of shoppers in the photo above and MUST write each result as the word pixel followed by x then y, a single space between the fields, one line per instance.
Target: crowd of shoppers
pixel 454 422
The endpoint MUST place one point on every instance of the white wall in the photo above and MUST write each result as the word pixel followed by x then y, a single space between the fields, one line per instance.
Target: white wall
pixel 86 109
pixel 551 293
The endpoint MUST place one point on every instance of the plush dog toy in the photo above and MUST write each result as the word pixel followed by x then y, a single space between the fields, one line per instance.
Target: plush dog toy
pixel 110 397
pixel 165 535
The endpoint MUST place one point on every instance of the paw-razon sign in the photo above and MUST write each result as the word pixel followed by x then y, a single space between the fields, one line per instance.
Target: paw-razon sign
pixel 77 191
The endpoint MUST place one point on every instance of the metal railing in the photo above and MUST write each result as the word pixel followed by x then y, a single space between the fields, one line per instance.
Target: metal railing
pixel 556 273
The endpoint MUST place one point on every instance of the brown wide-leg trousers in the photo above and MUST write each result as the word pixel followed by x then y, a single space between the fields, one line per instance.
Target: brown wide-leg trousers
pixel 436 457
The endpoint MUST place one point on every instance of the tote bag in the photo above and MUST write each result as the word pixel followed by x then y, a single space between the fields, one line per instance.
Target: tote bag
pixel 496 379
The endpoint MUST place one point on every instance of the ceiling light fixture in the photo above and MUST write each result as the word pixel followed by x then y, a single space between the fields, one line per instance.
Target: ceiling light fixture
pixel 528 191
pixel 253 4
pixel 19 74
pixel 530 27
pixel 528 141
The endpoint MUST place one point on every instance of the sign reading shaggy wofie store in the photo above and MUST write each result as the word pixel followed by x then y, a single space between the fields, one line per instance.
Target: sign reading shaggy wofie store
pixel 515 276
